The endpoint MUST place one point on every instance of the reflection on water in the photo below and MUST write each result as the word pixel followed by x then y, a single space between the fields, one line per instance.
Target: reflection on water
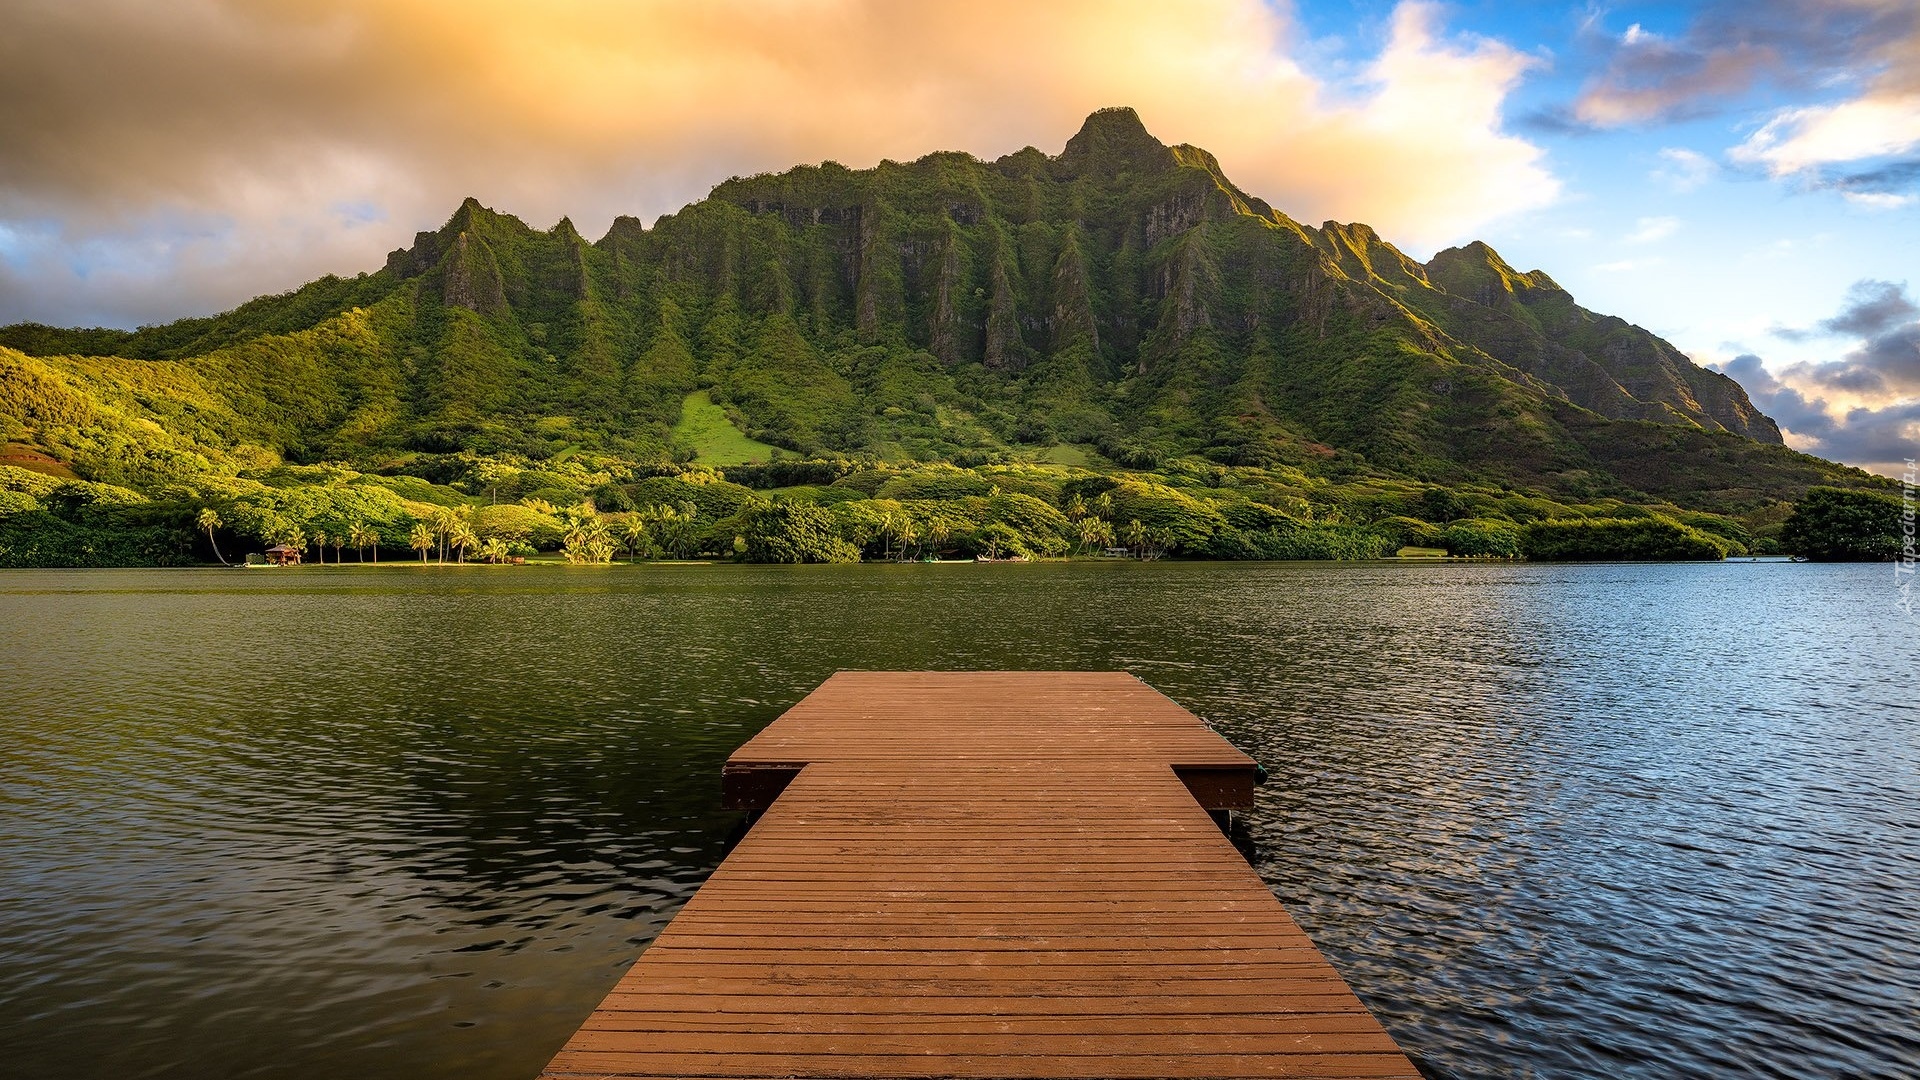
pixel 1549 821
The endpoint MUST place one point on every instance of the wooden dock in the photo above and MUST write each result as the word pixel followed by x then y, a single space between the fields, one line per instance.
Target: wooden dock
pixel 993 874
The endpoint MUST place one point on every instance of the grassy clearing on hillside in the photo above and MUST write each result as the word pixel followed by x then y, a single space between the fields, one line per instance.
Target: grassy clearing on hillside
pixel 1064 454
pixel 704 427
pixel 32 460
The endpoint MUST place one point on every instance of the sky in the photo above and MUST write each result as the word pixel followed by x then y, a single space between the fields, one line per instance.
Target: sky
pixel 1742 178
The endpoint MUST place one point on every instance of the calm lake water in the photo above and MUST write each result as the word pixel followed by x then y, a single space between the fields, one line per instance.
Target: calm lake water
pixel 1552 821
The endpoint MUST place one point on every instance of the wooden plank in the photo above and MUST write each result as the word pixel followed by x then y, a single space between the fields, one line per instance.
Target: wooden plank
pixel 990 875
pixel 1253 1022
pixel 959 1063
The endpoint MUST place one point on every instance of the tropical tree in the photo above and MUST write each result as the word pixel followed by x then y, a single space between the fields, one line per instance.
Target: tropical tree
pixel 588 539
pixel 793 532
pixel 997 536
pixel 1094 532
pixel 444 520
pixel 908 535
pixel 1837 525
pixel 494 550
pixel 460 537
pixel 686 534
pixel 364 538
pixel 491 473
pixel 209 520
pixel 290 535
pixel 1440 506
pixel 320 547
pixel 1135 535
pixel 635 532
pixel 673 528
pixel 421 538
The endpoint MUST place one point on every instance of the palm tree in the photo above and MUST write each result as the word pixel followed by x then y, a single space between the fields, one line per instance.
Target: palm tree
pixel 443 522
pixel 634 532
pixel 363 538
pixel 686 535
pixel 320 547
pixel 292 536
pixel 209 520
pixel 908 535
pixel 420 538
pixel 588 539
pixel 1094 531
pixel 494 550
pixel 461 537
pixel 1136 535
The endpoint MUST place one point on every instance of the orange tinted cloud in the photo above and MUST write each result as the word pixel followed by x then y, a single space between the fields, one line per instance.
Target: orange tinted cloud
pixel 213 148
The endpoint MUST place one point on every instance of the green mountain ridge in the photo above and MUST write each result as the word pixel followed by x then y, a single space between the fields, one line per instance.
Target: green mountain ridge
pixel 1123 298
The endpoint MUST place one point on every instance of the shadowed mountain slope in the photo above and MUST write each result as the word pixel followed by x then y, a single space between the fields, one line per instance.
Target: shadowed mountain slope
pixel 1123 298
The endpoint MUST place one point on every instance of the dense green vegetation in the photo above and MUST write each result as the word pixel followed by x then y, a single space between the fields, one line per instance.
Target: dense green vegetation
pixel 491 509
pixel 1834 525
pixel 1652 537
pixel 1030 357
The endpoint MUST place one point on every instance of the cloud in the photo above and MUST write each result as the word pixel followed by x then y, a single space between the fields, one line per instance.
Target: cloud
pixel 207 151
pixel 1650 230
pixel 1873 308
pixel 1684 170
pixel 1879 438
pixel 1733 47
pixel 1805 139
pixel 1862 408
pixel 1855 65
pixel 1886 176
pixel 1653 79
pixel 1878 200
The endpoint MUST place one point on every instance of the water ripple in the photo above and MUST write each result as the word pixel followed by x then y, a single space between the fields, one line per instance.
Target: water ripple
pixel 1549 821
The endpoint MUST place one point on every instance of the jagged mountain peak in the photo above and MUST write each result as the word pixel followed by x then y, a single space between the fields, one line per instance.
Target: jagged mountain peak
pixel 1475 267
pixel 1113 141
pixel 470 216
pixel 1123 296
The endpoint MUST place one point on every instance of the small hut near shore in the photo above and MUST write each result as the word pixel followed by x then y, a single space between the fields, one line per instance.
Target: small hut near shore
pixel 282 555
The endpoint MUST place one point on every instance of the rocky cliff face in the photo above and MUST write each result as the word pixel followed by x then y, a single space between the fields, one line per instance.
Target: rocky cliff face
pixel 1600 362
pixel 1123 295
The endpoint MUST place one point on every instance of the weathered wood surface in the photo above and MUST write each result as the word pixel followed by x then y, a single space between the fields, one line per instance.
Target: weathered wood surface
pixel 982 875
